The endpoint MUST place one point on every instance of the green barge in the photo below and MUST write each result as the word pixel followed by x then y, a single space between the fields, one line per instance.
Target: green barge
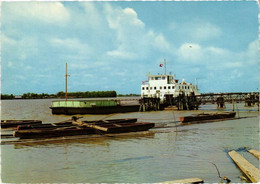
pixel 104 106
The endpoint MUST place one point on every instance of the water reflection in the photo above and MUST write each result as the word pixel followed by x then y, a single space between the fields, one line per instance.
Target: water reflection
pixel 97 140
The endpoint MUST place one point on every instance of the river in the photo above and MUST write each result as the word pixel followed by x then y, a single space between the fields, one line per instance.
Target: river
pixel 161 155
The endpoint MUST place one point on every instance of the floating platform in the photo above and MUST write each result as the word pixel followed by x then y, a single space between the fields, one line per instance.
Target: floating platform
pixel 206 116
pixel 108 106
pixel 15 123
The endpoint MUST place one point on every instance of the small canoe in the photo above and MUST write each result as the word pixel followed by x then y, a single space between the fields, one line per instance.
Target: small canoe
pixel 53 132
pixel 209 116
pixel 15 123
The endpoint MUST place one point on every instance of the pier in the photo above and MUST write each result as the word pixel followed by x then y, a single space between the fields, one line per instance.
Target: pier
pixel 249 98
pixel 192 102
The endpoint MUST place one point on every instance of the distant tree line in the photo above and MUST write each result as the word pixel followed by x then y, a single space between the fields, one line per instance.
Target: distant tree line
pixel 131 94
pixel 61 94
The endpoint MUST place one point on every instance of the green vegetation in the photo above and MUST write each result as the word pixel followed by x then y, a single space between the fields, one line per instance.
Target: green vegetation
pixel 61 94
pixel 121 95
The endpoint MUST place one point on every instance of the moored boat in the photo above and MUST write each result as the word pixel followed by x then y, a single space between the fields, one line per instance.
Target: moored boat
pixel 82 128
pixel 207 116
pixel 69 123
pixel 53 132
pixel 105 106
pixel 15 123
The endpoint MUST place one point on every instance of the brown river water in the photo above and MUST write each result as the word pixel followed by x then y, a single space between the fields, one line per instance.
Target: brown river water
pixel 162 154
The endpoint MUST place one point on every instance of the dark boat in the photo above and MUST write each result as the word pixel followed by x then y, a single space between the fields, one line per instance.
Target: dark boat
pixel 15 123
pixel 69 123
pixel 122 127
pixel 210 116
pixel 82 128
pixel 53 132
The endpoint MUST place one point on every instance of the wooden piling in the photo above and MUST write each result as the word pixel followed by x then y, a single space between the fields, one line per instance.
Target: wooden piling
pixel 149 103
pixel 248 169
pixel 254 152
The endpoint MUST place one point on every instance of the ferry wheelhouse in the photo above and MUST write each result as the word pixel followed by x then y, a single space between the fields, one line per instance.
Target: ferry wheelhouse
pixel 161 85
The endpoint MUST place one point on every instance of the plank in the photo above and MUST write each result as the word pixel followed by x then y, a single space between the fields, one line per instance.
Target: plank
pixel 188 180
pixel 78 122
pixel 248 169
pixel 254 152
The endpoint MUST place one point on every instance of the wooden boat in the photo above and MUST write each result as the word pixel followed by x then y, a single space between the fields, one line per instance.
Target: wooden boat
pixel 69 123
pixel 53 132
pixel 209 116
pixel 15 123
pixel 82 128
pixel 122 127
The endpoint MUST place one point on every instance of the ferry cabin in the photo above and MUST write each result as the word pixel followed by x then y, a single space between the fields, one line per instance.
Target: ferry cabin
pixel 160 85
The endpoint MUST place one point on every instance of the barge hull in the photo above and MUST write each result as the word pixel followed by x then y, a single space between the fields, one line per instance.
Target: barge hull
pixel 15 123
pixel 94 110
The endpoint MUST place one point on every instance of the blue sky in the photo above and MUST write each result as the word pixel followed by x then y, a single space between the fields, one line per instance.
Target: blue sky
pixel 113 45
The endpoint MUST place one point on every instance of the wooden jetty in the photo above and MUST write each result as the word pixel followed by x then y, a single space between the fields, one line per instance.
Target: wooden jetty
pixel 15 123
pixel 188 180
pixel 248 169
pixel 254 152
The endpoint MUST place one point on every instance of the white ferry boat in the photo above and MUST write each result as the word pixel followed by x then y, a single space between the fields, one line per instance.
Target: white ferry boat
pixel 160 86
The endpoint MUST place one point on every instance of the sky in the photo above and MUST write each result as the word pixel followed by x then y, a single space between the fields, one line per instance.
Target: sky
pixel 113 45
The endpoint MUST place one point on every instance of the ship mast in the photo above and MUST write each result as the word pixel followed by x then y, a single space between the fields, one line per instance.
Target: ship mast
pixel 66 76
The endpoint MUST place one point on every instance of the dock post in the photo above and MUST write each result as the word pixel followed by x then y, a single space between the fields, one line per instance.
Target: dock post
pixel 248 169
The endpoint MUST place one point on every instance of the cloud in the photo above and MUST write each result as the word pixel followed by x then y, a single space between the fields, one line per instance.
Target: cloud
pixel 92 16
pixel 196 30
pixel 48 12
pixel 190 52
pixel 205 31
pixel 219 62
pixel 133 40
pixel 6 40
pixel 19 49
pixel 71 44
pixel 252 52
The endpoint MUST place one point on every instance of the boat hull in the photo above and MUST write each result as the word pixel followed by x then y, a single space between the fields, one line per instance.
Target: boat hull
pixel 53 132
pixel 25 132
pixel 94 110
pixel 203 117
pixel 15 123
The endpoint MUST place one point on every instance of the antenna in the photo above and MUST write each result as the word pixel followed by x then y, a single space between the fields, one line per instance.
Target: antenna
pixel 66 76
